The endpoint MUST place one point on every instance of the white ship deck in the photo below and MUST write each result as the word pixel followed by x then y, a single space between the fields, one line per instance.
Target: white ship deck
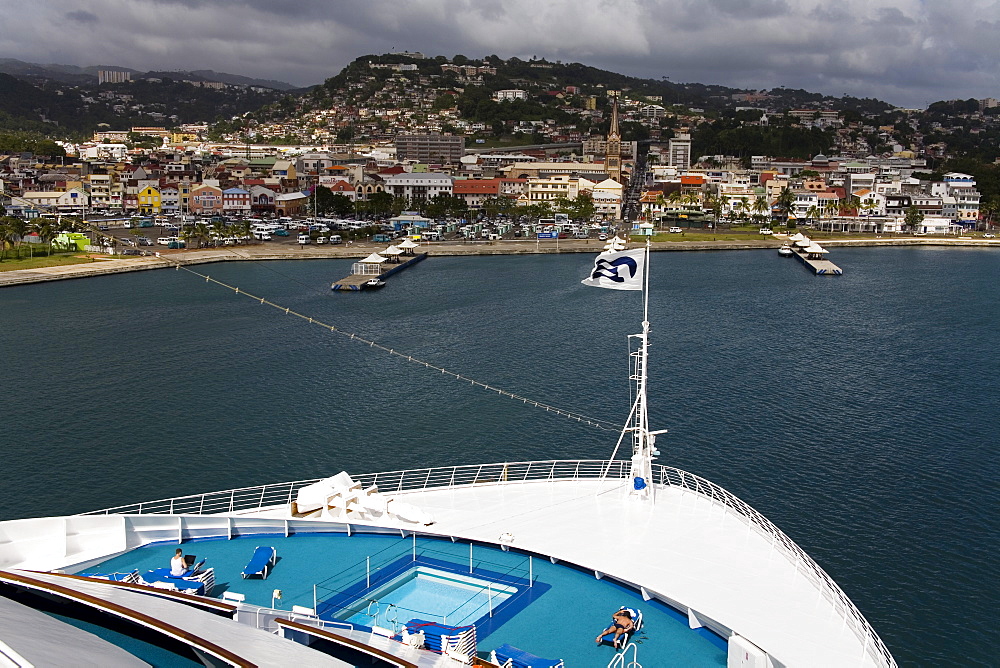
pixel 685 548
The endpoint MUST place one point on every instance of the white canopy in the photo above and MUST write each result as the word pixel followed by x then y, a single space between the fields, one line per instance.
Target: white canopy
pixel 803 243
pixel 798 236
pixel 816 248
pixel 392 250
pixel 374 258
pixel 407 243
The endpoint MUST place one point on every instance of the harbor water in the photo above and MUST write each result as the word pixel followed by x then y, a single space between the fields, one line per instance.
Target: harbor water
pixel 858 413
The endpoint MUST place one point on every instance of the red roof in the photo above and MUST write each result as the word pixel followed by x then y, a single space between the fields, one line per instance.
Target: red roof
pixel 476 187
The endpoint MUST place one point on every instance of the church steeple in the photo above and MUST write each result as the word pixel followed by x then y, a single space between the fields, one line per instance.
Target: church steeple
pixel 613 150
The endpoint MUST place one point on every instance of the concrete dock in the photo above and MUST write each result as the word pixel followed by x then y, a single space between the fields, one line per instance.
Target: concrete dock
pixel 820 266
pixel 356 282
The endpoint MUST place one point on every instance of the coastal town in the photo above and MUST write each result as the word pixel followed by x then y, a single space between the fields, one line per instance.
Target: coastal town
pixel 643 334
pixel 396 135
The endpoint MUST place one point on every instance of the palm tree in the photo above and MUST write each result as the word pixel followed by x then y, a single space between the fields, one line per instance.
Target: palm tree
pixel 47 232
pixel 5 236
pixel 202 233
pixel 18 228
pixel 815 213
pixel 662 203
pixel 739 208
pixel 785 201
pixel 760 207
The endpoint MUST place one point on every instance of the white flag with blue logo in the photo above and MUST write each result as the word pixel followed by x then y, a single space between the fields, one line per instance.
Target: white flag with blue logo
pixel 618 271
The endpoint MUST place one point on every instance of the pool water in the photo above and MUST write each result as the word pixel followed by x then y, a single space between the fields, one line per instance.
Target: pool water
pixel 431 595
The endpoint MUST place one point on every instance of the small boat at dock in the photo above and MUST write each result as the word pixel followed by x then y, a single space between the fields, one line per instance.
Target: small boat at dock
pixel 785 251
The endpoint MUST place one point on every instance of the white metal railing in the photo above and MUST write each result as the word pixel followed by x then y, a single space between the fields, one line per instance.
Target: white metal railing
pixel 252 498
pixel 619 660
pixel 265 619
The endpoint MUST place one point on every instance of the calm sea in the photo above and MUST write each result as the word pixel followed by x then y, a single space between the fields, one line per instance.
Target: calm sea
pixel 858 413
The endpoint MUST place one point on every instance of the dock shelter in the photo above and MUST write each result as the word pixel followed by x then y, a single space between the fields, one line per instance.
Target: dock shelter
pixel 392 252
pixel 370 266
pixel 407 246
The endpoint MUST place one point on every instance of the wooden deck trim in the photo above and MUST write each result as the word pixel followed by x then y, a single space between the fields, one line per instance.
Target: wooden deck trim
pixel 210 604
pixel 129 614
pixel 344 640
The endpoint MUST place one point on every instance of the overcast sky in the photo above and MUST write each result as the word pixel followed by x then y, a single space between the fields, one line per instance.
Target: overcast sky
pixel 907 52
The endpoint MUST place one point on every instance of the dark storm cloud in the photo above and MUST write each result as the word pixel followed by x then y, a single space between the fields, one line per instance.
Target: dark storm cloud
pixel 908 52
pixel 81 16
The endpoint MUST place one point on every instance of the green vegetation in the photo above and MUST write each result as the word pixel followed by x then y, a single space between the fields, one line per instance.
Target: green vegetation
pixel 728 137
pixel 22 141
pixel 44 260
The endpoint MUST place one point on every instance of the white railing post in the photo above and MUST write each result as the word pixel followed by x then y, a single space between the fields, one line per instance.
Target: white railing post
pixel 368 572
pixel 470 558
pixel 489 593
pixel 531 572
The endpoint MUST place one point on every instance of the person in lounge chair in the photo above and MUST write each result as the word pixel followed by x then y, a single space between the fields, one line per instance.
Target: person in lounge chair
pixel 177 565
pixel 622 624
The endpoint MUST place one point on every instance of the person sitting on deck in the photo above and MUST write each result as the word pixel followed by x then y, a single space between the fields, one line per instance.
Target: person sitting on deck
pixel 177 565
pixel 622 624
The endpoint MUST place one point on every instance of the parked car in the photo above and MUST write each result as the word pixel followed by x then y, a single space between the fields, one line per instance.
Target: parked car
pixel 675 230
pixel 304 239
pixel 280 233
pixel 989 235
pixel 321 240
pixel 766 230
pixel 177 243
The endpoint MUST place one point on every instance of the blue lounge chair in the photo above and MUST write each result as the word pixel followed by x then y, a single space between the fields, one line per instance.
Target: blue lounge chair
pixel 636 615
pixel 508 656
pixel 261 562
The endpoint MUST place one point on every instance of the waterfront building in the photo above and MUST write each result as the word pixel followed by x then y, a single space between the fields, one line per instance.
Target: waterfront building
pixel 418 186
pixel 149 200
pixel 206 200
pixel 236 201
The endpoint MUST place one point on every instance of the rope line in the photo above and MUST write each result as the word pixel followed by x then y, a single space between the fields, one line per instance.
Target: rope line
pixel 578 417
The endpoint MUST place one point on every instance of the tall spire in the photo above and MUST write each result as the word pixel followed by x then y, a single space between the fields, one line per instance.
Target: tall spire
pixel 613 150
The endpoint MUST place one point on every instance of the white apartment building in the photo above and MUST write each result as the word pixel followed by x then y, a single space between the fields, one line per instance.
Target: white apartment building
pixel 510 94
pixel 679 151
pixel 548 188
pixel 419 186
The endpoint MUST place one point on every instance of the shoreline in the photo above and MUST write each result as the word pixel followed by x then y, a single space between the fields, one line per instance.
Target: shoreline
pixel 253 253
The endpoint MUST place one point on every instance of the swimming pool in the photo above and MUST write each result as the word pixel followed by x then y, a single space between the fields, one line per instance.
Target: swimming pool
pixel 431 594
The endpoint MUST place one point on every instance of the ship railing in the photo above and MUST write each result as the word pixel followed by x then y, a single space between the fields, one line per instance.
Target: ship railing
pixel 248 499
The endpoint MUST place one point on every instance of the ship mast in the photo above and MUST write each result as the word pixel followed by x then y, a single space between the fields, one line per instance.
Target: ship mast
pixel 643 441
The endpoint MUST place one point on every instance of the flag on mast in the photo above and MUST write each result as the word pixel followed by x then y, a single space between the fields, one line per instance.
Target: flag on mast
pixel 618 271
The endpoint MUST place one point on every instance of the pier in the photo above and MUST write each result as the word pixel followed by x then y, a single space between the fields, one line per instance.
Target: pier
pixel 812 255
pixel 373 269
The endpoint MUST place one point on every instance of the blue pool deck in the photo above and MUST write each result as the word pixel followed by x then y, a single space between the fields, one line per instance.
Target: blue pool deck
pixel 558 617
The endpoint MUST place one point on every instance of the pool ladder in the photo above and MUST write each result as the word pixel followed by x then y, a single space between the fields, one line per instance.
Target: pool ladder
pixel 391 615
pixel 620 660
